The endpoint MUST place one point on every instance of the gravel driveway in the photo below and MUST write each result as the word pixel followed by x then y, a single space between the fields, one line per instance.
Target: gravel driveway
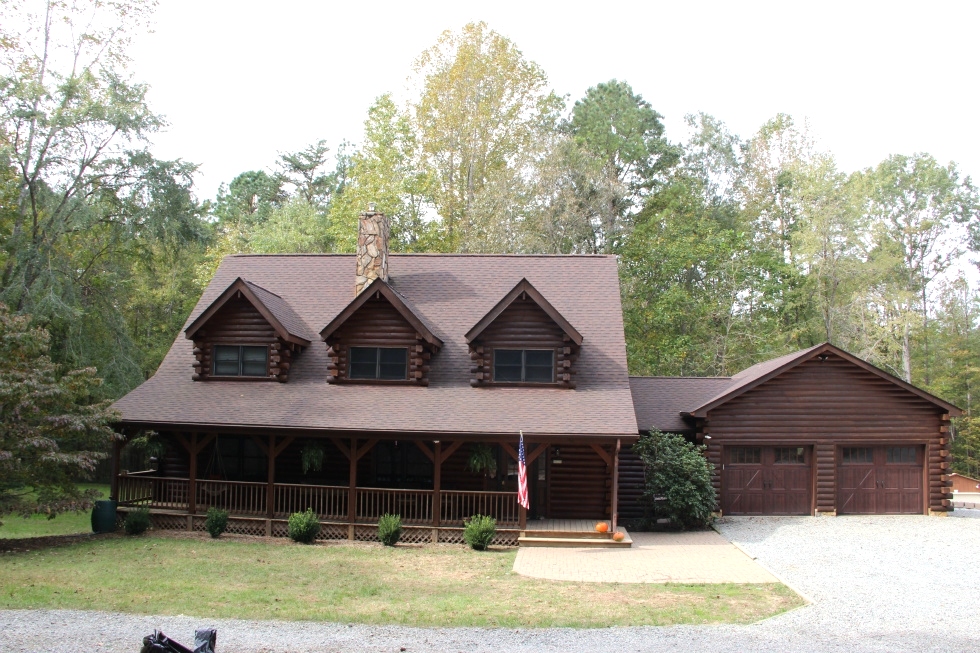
pixel 877 584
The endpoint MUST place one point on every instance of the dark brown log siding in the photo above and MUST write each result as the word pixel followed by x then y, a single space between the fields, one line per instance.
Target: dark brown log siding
pixel 523 325
pixel 378 324
pixel 827 404
pixel 236 323
pixel 580 485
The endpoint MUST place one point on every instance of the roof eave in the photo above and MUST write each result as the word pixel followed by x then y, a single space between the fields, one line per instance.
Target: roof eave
pixel 523 286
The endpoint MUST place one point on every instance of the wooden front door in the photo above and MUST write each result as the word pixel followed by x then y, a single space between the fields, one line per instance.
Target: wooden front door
pixel 766 481
pixel 880 480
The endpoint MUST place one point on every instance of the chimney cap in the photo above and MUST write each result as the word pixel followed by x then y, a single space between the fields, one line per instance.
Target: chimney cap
pixel 372 207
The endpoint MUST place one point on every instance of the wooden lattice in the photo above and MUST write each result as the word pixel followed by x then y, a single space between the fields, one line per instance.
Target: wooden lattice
pixel 451 536
pixel 366 533
pixel 246 527
pixel 416 535
pixel 280 529
pixel 506 538
pixel 199 524
pixel 169 522
pixel 332 532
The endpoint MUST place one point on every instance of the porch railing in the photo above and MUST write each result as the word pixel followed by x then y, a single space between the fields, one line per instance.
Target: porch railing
pixel 414 506
pixel 153 492
pixel 234 496
pixel 458 505
pixel 327 501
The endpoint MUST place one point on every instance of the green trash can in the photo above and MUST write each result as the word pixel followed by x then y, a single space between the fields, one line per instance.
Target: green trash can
pixel 104 516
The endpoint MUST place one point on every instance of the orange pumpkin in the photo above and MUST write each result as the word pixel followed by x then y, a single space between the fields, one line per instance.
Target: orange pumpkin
pixel 619 536
pixel 602 527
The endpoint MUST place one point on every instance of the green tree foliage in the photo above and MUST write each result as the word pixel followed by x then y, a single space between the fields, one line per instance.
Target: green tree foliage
pixel 85 201
pixel 624 132
pixel 53 429
pixel 678 480
pixel 479 118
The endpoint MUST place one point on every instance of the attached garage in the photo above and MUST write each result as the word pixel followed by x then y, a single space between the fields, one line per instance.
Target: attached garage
pixel 767 481
pixel 819 431
pixel 880 480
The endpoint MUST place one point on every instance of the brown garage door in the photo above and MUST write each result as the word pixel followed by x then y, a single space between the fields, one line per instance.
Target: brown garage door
pixel 879 480
pixel 766 481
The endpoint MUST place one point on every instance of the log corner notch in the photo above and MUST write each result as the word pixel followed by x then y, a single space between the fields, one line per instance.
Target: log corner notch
pixel 248 314
pixel 380 317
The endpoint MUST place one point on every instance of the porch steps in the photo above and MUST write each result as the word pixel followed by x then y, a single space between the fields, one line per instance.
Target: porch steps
pixel 574 539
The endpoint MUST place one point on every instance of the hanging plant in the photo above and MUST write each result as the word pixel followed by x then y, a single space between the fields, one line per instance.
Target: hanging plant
pixel 312 457
pixel 482 460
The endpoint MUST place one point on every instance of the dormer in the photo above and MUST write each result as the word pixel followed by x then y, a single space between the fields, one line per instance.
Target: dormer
pixel 523 341
pixel 379 338
pixel 247 334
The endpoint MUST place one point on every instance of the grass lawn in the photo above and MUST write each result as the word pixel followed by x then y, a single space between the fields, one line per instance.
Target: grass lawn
pixel 437 585
pixel 15 526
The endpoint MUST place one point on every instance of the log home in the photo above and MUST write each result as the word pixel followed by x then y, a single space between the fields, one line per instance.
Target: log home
pixel 358 385
pixel 396 373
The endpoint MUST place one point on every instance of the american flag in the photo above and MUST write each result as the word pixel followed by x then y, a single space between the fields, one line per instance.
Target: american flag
pixel 522 475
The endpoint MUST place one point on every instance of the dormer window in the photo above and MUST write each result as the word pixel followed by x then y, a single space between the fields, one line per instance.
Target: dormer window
pixel 241 360
pixel 383 363
pixel 524 365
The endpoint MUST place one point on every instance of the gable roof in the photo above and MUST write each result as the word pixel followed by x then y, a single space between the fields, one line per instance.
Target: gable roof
pixel 659 401
pixel 277 312
pixel 448 292
pixel 762 372
pixel 523 286
pixel 380 287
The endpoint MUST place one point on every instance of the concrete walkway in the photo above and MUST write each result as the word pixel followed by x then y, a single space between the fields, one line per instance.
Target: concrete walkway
pixel 696 557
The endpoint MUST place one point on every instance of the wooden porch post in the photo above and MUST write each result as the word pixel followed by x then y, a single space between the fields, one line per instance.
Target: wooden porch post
pixel 351 499
pixel 270 496
pixel 117 446
pixel 615 487
pixel 192 481
pixel 436 489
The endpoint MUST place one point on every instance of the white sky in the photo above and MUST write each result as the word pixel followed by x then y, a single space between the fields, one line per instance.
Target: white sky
pixel 242 81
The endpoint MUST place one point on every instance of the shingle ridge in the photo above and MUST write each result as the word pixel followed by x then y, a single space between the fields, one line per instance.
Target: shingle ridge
pixel 427 254
pixel 644 376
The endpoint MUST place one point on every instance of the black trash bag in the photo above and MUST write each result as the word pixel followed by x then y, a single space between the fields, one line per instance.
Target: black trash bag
pixel 204 642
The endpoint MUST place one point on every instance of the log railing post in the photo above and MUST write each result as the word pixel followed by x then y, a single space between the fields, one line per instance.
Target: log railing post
pixel 192 480
pixel 615 487
pixel 117 446
pixel 351 489
pixel 436 490
pixel 270 492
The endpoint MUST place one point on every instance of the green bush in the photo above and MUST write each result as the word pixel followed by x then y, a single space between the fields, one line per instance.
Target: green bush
pixel 479 531
pixel 678 480
pixel 137 522
pixel 216 522
pixel 389 529
pixel 304 526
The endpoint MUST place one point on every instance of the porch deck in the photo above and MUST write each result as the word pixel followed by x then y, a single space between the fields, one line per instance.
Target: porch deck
pixel 344 513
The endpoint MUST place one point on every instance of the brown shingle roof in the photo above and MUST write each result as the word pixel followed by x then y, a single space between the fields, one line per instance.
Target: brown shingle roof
pixel 449 292
pixel 660 400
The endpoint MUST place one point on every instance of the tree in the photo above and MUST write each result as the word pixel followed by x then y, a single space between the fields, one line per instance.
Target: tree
pixel 678 480
pixel 249 199
pixel 52 429
pixel 914 204
pixel 479 119
pixel 621 129
pixel 86 197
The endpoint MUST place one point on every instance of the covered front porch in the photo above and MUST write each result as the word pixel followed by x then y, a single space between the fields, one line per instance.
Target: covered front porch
pixel 261 479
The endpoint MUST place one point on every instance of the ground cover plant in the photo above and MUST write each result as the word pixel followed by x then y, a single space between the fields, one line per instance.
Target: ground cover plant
pixel 435 585
pixel 389 529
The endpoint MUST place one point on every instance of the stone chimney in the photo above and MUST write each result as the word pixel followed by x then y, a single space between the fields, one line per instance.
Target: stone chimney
pixel 372 249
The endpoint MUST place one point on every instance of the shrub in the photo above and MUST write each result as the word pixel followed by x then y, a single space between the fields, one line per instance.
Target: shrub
pixel 137 522
pixel 304 526
pixel 389 529
pixel 216 522
pixel 479 531
pixel 678 480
